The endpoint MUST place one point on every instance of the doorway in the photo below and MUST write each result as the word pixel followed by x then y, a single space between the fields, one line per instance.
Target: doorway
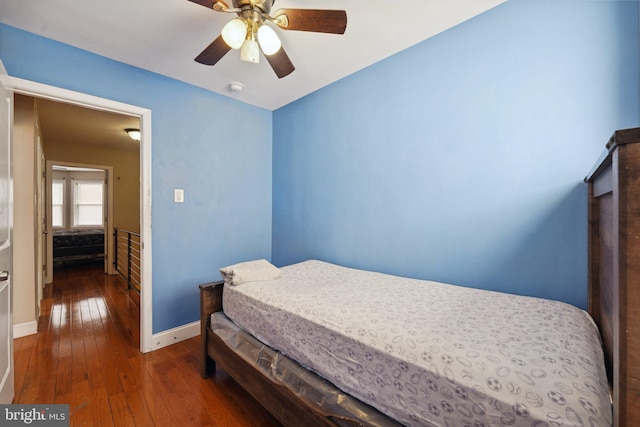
pixel 79 216
pixel 143 203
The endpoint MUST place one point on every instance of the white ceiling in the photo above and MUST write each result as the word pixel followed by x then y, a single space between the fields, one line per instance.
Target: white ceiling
pixel 164 36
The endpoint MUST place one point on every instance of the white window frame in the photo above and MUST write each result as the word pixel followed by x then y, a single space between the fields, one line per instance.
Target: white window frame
pixel 63 182
pixel 73 223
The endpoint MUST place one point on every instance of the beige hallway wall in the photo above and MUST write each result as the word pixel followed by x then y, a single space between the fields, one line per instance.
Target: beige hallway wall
pixel 25 132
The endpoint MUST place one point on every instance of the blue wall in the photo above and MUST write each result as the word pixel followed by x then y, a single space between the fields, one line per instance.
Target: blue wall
pixel 461 159
pixel 223 165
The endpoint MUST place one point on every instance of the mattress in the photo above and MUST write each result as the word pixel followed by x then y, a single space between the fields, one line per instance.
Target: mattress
pixel 78 244
pixel 313 389
pixel 431 354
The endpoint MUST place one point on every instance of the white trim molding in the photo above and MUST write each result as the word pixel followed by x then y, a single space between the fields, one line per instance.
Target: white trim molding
pixel 175 335
pixel 23 329
pixel 39 90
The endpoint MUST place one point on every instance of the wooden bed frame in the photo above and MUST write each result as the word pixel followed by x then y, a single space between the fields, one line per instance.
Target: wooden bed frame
pixel 278 400
pixel 614 268
pixel 614 296
pixel 281 402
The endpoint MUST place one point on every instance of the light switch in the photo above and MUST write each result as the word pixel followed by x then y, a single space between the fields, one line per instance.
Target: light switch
pixel 178 195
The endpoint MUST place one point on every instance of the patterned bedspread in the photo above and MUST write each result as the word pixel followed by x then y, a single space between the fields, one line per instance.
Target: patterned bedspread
pixel 432 354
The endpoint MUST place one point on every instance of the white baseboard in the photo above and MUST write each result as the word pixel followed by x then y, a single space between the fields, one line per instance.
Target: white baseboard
pixel 27 328
pixel 175 335
pixel 162 339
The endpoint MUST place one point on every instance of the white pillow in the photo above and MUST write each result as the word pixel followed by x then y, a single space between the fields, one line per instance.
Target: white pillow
pixel 249 271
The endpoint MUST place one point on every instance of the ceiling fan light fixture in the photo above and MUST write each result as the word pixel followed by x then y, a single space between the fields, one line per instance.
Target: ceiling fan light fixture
pixel 234 33
pixel 250 51
pixel 253 15
pixel 269 41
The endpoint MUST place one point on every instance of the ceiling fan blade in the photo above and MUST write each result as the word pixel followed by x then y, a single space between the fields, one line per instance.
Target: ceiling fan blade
pixel 280 63
pixel 319 21
pixel 214 52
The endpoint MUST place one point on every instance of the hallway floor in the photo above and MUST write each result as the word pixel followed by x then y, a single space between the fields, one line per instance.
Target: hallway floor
pixel 86 355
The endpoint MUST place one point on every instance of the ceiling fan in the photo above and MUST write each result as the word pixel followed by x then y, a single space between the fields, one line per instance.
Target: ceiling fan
pixel 251 33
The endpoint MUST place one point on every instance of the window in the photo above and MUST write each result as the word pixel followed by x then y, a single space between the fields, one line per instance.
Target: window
pixel 77 197
pixel 57 202
pixel 87 203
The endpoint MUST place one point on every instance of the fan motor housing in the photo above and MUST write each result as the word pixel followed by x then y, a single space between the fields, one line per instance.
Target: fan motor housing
pixel 263 5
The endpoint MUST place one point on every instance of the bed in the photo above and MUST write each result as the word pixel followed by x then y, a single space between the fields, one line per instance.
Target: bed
pixel 78 245
pixel 474 358
pixel 545 368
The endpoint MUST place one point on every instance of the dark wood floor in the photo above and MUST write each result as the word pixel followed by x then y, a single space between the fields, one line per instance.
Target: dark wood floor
pixel 86 355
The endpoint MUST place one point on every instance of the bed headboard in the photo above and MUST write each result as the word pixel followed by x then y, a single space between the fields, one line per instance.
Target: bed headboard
pixel 614 267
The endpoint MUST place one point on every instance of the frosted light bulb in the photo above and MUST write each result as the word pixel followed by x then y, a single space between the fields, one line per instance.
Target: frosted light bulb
pixel 268 39
pixel 234 33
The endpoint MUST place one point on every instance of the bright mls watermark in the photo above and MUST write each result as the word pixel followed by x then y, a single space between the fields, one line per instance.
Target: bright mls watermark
pixel 34 415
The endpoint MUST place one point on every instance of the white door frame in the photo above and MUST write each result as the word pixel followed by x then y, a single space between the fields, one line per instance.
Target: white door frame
pixel 39 90
pixel 41 228
pixel 109 244
pixel 7 387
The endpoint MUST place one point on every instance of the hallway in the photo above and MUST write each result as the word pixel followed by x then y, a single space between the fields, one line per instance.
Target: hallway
pixel 86 355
